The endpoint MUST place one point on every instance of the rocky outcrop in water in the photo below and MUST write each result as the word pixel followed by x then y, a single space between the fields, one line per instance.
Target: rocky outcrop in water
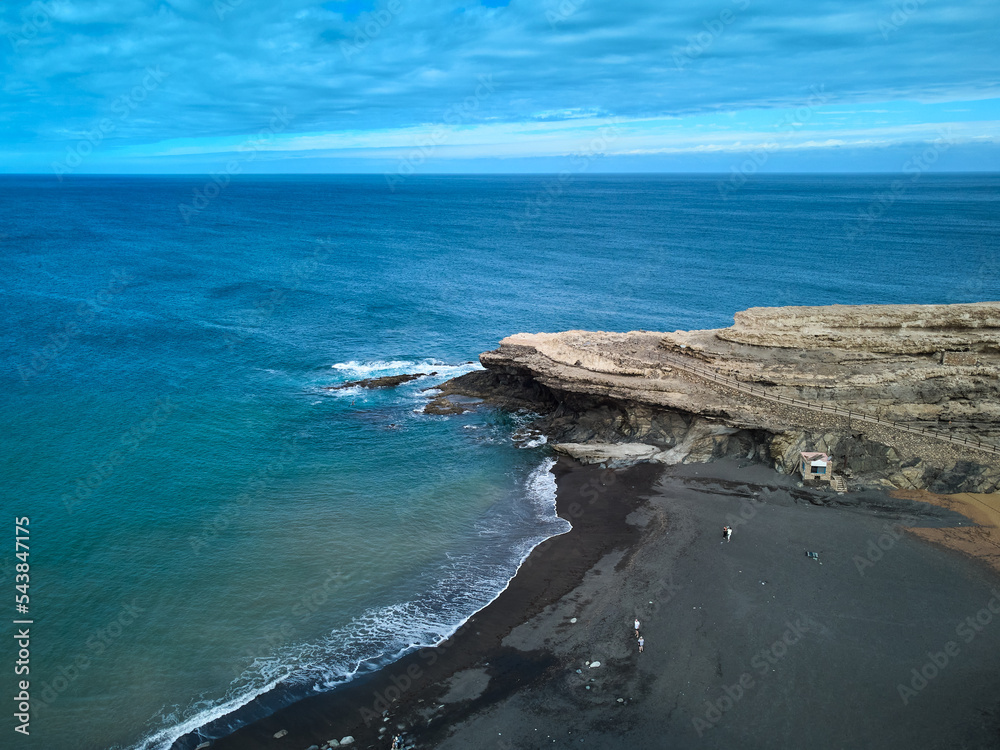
pixel 386 381
pixel 923 366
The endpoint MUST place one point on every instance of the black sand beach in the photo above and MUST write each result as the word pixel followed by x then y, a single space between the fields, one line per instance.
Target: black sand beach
pixel 749 643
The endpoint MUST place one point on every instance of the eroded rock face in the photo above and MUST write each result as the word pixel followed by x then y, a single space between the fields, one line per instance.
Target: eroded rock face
pixel 933 366
pixel 891 329
pixel 612 454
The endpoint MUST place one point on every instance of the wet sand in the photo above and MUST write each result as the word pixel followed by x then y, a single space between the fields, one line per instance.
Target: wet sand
pixel 748 644
pixel 596 502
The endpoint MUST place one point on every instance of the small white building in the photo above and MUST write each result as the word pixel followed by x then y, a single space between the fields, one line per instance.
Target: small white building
pixel 816 466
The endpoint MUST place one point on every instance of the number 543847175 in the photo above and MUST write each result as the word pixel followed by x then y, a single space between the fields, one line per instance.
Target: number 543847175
pixel 21 578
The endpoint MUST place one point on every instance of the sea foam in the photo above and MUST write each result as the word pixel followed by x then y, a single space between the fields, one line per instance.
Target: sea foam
pixel 451 593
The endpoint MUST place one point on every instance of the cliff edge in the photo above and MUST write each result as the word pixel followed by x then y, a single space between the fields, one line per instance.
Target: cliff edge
pixel 901 396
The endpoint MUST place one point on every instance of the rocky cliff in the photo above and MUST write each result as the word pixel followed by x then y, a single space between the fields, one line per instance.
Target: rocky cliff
pixel 697 395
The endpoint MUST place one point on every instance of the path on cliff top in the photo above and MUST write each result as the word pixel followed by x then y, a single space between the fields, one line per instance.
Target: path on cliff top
pixel 760 392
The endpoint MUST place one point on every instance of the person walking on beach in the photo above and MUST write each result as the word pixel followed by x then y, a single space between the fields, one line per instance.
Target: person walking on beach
pixel 642 642
pixel 727 531
pixel 636 627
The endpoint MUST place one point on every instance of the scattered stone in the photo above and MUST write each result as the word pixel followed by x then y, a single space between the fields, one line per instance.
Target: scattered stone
pixel 333 743
pixel 203 745
pixel 621 700
pixel 595 664
pixel 348 740
pixel 313 747
pixel 572 619
pixel 280 733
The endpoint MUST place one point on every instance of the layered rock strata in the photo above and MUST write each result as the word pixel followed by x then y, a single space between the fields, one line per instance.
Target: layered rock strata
pixel 621 397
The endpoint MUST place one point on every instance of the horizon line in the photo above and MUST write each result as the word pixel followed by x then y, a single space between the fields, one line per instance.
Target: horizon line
pixel 578 175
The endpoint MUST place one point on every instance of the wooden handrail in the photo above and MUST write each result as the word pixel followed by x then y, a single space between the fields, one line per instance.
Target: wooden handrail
pixel 706 372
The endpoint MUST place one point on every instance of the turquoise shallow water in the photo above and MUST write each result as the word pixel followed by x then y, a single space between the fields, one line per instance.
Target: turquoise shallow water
pixel 207 519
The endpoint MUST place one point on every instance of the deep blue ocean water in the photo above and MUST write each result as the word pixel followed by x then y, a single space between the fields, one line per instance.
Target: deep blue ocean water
pixel 207 519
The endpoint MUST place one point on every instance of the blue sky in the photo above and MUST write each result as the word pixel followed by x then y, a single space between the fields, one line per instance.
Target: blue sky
pixel 421 86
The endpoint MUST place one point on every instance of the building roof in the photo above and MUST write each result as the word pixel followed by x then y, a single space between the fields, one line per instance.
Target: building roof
pixel 811 456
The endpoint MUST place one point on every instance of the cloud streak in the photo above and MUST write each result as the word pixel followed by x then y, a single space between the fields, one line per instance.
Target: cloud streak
pixel 366 78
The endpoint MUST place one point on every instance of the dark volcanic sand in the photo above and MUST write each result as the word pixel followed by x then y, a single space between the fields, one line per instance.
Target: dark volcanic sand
pixel 597 504
pixel 819 647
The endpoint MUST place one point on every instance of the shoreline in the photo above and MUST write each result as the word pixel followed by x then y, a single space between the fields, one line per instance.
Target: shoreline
pixel 551 570
pixel 643 544
pixel 752 643
pixel 895 395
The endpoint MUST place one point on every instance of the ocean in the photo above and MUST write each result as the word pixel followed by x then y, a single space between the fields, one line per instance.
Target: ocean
pixel 209 520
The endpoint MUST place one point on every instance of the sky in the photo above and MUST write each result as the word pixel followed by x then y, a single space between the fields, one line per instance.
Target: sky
pixel 404 87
